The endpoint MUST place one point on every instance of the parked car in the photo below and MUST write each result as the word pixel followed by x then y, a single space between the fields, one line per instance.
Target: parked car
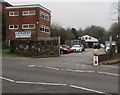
pixel 63 50
pixel 96 45
pixel 83 48
pixel 107 48
pixel 76 48
pixel 66 47
pixel 102 46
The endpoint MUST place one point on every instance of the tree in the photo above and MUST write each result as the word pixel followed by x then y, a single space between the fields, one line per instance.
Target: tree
pixel 116 10
pixel 95 31
pixel 0 28
pixel 80 32
pixel 65 34
pixel 74 31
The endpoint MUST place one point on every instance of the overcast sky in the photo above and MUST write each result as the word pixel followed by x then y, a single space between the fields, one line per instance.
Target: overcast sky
pixel 76 13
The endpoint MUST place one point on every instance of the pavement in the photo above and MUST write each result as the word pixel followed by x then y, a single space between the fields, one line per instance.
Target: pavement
pixel 69 73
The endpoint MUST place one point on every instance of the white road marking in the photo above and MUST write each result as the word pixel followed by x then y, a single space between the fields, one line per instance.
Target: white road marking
pixel 31 66
pixel 58 84
pixel 79 71
pixel 7 79
pixel 53 68
pixel 78 87
pixel 109 73
pixel 24 82
pixel 40 83
pixel 71 70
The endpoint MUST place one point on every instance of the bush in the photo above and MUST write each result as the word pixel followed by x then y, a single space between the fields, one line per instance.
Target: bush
pixel 5 45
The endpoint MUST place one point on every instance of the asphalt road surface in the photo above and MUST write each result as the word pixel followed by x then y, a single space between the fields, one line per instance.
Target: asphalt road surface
pixel 69 73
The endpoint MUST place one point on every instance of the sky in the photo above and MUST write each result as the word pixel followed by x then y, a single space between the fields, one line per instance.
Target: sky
pixel 77 13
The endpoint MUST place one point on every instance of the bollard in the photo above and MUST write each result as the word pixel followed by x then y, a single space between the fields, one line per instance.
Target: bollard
pixel 95 57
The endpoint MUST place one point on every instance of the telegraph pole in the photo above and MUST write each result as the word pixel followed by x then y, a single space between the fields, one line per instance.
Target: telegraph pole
pixel 118 36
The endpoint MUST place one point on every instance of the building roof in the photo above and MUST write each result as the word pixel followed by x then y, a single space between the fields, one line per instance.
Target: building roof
pixel 28 6
pixel 88 38
pixel 5 3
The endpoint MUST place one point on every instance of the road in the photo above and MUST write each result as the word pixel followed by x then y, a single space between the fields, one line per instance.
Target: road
pixel 70 73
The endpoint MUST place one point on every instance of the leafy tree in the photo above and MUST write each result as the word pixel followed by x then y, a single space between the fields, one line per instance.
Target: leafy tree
pixel 65 34
pixel 80 32
pixel 74 31
pixel 95 31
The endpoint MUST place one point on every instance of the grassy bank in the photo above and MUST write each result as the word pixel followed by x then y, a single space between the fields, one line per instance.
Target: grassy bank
pixel 4 50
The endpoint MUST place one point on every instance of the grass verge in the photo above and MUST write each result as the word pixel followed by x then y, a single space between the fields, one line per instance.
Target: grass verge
pixel 4 50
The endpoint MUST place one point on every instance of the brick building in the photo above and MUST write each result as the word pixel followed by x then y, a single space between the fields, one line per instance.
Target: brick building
pixel 27 22
pixel 3 6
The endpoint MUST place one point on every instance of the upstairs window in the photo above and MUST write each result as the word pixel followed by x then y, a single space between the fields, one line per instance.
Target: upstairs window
pixel 86 38
pixel 26 13
pixel 44 15
pixel 13 27
pixel 28 26
pixel 15 13
pixel 44 29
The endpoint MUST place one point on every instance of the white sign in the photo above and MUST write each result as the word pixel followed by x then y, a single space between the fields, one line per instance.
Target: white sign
pixel 22 34
pixel 95 60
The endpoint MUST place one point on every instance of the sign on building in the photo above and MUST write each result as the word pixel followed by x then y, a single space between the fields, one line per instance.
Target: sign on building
pixel 22 34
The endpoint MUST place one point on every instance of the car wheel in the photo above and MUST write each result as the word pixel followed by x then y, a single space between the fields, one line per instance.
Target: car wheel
pixel 61 52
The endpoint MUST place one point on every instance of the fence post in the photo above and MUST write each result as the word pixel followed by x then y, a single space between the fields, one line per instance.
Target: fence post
pixel 59 44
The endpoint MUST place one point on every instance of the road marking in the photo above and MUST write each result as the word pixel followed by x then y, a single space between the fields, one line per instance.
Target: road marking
pixel 31 66
pixel 24 82
pixel 40 83
pixel 52 84
pixel 7 79
pixel 53 68
pixel 78 87
pixel 79 71
pixel 75 70
pixel 109 73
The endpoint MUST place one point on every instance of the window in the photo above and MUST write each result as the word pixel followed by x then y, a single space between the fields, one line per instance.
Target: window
pixel 85 37
pixel 26 13
pixel 44 15
pixel 15 13
pixel 89 37
pixel 13 26
pixel 44 29
pixel 28 26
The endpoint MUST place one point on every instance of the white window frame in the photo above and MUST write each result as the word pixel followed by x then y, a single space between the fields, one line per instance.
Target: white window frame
pixel 28 26
pixel 28 13
pixel 45 27
pixel 45 14
pixel 13 13
pixel 13 27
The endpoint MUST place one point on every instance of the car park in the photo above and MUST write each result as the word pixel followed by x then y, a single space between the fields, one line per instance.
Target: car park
pixel 102 46
pixel 96 45
pixel 63 50
pixel 83 48
pixel 76 48
pixel 66 47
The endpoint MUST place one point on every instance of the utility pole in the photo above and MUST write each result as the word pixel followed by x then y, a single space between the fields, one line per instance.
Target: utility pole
pixel 118 36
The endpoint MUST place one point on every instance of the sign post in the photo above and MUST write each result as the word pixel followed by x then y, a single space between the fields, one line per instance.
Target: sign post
pixel 95 57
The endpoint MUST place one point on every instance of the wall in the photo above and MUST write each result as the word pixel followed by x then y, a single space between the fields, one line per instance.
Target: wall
pixel 110 55
pixel 35 48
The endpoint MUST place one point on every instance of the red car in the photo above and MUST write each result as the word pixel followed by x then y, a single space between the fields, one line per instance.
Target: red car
pixel 66 47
